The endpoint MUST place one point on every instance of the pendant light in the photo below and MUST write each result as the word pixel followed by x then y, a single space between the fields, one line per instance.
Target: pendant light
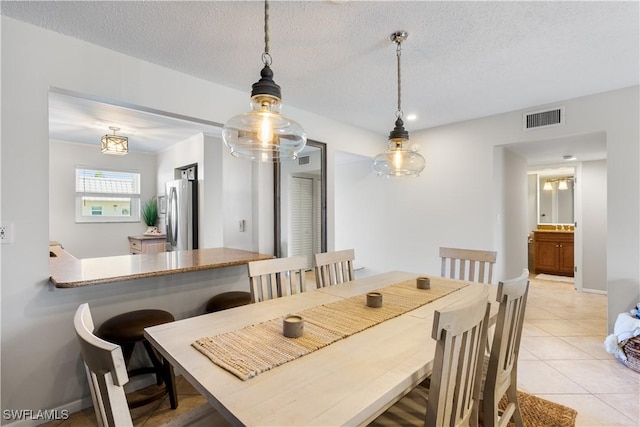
pixel 264 134
pixel 398 160
pixel 114 144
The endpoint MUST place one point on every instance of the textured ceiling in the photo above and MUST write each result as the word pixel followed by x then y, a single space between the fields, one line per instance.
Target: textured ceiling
pixel 462 60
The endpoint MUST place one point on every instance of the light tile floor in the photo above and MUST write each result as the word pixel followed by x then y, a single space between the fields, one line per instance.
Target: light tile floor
pixel 562 359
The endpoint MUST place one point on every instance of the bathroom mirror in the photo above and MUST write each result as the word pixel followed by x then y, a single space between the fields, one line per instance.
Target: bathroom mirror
pixel 556 198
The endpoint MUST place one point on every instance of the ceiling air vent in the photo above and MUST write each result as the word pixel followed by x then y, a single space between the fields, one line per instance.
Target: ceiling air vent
pixel 303 160
pixel 543 119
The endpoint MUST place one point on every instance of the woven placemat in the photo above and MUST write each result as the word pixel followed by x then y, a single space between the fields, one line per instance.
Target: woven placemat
pixel 257 348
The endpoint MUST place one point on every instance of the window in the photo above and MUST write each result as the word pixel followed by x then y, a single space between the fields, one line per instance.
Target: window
pixel 107 196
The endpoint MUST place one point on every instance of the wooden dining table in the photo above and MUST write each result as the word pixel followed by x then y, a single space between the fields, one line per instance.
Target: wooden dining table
pixel 349 382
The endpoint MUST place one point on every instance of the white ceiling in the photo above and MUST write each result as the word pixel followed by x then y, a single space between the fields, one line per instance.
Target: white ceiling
pixel 79 119
pixel 462 60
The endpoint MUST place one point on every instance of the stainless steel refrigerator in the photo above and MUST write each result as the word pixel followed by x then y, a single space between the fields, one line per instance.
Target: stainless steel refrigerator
pixel 182 214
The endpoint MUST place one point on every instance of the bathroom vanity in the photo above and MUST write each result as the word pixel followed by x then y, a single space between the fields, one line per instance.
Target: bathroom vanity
pixel 553 252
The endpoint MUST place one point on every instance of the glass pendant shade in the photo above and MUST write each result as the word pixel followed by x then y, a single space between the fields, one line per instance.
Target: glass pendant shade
pixel 547 186
pixel 114 144
pixel 398 162
pixel 263 133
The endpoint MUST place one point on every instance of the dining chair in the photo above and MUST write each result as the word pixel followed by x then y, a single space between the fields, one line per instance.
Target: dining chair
pixel 453 397
pixel 277 277
pixel 107 374
pixel 332 268
pixel 502 367
pixel 462 264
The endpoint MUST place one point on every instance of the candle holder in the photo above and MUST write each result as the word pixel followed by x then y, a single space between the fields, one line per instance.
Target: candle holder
pixel 423 283
pixel 292 326
pixel 374 299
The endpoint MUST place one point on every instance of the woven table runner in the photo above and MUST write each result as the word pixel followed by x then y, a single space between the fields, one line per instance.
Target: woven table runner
pixel 257 348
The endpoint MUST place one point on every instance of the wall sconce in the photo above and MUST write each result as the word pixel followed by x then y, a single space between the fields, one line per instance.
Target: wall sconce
pixel 562 184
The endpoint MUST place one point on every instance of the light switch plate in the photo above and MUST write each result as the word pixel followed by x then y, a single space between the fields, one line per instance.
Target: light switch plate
pixel 6 232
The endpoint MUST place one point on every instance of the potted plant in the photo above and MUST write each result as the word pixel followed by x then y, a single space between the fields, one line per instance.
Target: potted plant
pixel 150 215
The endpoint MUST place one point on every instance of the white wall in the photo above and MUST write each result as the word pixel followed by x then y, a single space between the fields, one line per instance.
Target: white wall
pixel 594 225
pixel 211 190
pixel 206 152
pixel 33 60
pixel 511 213
pixel 91 240
pixel 238 202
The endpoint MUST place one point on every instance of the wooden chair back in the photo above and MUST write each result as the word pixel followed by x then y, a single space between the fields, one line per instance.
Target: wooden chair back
pixel 332 268
pixel 106 372
pixel 277 277
pixel 454 393
pixel 467 264
pixel 501 376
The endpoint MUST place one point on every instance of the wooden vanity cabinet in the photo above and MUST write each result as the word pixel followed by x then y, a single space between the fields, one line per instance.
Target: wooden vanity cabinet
pixel 147 244
pixel 553 252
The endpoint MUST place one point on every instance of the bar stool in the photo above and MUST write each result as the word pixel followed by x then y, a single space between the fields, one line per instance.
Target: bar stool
pixel 227 300
pixel 126 330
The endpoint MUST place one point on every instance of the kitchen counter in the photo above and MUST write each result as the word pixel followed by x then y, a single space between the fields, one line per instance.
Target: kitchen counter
pixel 69 272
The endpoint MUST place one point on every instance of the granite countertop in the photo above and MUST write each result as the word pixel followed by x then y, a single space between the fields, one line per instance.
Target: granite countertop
pixel 69 272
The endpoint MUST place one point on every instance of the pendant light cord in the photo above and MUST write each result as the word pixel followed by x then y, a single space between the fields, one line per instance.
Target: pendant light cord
pixel 399 112
pixel 266 56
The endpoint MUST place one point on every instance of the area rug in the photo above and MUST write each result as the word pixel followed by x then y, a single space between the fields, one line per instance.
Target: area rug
pixel 536 412
pixel 555 278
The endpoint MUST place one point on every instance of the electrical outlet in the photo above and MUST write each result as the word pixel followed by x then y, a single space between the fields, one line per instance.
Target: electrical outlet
pixel 6 232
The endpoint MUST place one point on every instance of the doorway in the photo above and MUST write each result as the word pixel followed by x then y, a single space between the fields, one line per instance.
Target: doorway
pixel 588 160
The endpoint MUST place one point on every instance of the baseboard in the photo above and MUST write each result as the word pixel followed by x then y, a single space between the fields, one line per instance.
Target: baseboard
pixel 594 291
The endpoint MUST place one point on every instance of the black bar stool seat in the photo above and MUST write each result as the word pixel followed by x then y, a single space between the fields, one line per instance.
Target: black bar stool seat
pixel 126 330
pixel 227 300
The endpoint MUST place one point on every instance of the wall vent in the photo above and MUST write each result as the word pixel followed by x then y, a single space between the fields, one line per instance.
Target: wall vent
pixel 543 119
pixel 303 160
